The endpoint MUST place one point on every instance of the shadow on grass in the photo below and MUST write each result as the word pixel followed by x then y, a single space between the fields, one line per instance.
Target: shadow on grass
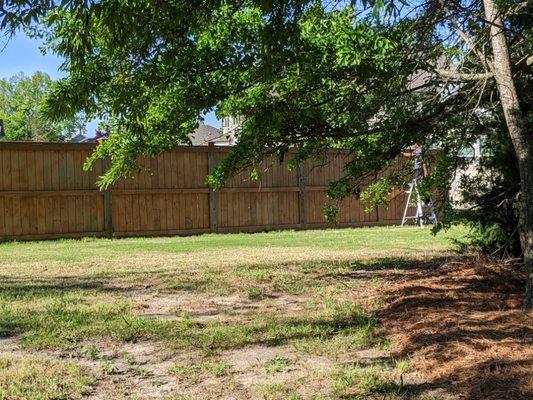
pixel 12 289
pixel 20 288
pixel 58 312
pixel 65 323
pixel 391 264
pixel 59 309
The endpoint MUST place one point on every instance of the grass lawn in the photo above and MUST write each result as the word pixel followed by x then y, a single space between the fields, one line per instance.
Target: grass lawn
pixel 280 315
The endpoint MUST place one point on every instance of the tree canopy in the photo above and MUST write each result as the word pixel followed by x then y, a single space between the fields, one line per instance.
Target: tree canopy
pixel 21 100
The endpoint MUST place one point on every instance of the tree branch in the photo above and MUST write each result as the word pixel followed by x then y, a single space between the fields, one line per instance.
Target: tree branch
pixel 466 39
pixel 458 76
pixel 515 10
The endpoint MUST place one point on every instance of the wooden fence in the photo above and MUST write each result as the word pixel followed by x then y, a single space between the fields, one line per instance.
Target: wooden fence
pixel 44 193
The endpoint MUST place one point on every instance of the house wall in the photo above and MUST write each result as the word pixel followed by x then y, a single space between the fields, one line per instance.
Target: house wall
pixel 230 128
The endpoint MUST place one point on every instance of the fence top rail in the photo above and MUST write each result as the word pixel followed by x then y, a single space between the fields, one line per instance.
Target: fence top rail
pixel 46 146
pixel 27 145
pixel 22 145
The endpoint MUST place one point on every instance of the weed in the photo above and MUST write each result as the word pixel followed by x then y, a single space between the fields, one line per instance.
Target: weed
pixel 142 372
pixel 278 364
pixel 215 368
pixel 192 373
pixel 183 372
pixel 362 382
pixel 130 360
pixel 108 367
pixel 91 352
pixel 255 293
pixel 278 391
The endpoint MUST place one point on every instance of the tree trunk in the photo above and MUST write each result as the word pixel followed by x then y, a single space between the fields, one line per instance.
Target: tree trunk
pixel 521 138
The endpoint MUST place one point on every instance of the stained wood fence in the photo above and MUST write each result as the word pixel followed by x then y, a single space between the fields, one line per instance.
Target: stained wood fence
pixel 44 193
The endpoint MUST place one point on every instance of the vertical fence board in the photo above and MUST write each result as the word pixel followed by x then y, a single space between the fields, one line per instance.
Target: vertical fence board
pixel 212 194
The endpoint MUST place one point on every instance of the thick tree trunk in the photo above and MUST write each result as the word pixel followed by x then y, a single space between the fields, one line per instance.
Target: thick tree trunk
pixel 521 138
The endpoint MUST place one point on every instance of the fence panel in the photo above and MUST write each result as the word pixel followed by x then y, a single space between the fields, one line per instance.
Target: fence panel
pixel 167 196
pixel 45 193
pixel 271 202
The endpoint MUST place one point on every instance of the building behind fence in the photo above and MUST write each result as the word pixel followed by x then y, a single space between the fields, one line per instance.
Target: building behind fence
pixel 44 193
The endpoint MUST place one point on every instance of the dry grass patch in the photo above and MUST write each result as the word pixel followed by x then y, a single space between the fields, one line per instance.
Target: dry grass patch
pixel 34 378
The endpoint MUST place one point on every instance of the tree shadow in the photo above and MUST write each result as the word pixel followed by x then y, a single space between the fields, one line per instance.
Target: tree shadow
pixel 17 288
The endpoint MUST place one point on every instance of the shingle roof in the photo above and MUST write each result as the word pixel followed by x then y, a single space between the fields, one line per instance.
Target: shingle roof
pixel 79 138
pixel 206 134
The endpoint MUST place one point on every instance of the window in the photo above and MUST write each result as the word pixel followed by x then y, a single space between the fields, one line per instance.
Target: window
pixel 485 147
pixel 467 151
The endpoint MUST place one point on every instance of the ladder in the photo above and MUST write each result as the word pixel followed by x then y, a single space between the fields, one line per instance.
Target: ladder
pixel 420 207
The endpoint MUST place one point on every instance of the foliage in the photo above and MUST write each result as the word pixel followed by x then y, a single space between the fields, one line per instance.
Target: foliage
pixel 21 99
pixel 249 58
pixel 494 196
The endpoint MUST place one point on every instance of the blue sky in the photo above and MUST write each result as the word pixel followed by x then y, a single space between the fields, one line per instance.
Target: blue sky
pixel 22 54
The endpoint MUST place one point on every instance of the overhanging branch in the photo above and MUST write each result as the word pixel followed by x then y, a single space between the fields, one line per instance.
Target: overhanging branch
pixel 458 76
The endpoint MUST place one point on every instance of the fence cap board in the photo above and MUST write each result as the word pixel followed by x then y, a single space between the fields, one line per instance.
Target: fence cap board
pixel 46 145
pixel 32 145
pixel 27 145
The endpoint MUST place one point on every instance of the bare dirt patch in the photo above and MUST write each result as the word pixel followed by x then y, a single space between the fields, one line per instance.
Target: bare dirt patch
pixel 133 369
pixel 258 366
pixel 202 307
pixel 462 325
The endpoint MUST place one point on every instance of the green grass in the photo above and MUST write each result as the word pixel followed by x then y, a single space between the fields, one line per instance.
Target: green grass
pixel 194 372
pixel 66 295
pixel 278 364
pixel 38 379
pixel 64 323
pixel 368 239
pixel 358 382
pixel 279 391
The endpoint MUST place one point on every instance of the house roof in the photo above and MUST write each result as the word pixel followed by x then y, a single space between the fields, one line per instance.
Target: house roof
pixel 206 134
pixel 79 138
pixel 202 136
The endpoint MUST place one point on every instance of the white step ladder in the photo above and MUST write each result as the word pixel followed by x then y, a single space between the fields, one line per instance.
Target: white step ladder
pixel 419 216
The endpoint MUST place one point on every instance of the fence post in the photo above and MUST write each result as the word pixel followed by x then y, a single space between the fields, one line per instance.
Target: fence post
pixel 301 194
pixel 212 193
pixel 379 209
pixel 108 211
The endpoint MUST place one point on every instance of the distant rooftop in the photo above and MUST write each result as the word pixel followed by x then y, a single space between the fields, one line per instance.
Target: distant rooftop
pixel 79 138
pixel 205 134
pixel 202 136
